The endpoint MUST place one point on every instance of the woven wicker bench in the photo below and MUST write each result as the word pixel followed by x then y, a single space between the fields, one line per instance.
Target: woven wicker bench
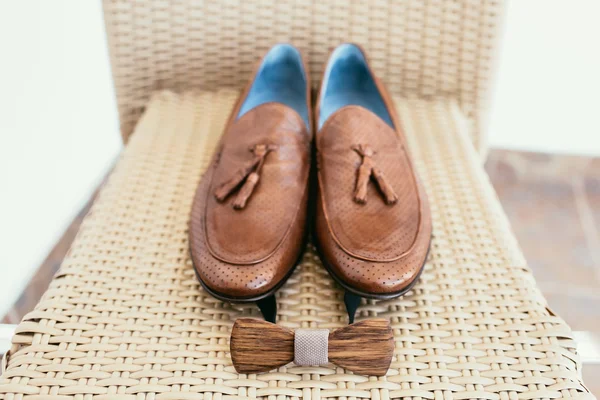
pixel 125 318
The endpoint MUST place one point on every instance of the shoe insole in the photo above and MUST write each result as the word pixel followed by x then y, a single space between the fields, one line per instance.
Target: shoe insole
pixel 348 81
pixel 281 78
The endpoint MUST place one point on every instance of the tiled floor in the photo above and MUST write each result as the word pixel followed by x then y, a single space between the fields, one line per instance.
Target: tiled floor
pixel 553 203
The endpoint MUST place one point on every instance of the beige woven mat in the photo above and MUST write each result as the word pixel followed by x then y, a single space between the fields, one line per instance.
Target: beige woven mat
pixel 125 317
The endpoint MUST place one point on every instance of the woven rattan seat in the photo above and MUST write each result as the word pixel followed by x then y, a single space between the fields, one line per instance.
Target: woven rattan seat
pixel 125 317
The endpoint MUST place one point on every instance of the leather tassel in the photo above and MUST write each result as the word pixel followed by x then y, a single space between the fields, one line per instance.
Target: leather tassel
pixel 246 190
pixel 229 186
pixel 366 170
pixel 364 173
pixel 249 172
pixel 384 186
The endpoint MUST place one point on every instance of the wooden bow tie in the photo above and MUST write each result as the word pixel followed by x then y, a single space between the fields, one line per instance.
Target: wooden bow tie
pixel 365 347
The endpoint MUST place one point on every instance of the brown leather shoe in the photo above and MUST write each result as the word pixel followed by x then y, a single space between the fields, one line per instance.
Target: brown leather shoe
pixel 373 225
pixel 248 219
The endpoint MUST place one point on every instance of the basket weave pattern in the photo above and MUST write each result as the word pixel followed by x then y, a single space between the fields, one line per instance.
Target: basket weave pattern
pixel 431 48
pixel 125 318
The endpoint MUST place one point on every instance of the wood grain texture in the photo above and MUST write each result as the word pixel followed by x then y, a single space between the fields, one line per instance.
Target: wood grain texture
pixel 365 347
pixel 260 346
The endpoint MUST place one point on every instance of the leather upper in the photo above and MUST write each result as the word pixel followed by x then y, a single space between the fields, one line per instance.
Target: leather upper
pixel 373 248
pixel 366 231
pixel 253 234
pixel 243 251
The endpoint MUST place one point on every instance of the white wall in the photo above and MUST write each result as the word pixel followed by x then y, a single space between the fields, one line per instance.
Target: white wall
pixel 548 87
pixel 58 124
pixel 58 127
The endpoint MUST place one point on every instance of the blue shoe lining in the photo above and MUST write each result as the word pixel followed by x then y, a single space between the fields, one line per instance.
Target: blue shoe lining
pixel 348 81
pixel 281 78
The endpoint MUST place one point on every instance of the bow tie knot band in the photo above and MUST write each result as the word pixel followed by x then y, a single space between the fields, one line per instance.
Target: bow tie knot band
pixel 311 347
pixel 365 347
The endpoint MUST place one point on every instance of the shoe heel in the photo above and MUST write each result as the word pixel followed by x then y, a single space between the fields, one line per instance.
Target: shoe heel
pixel 352 302
pixel 268 308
